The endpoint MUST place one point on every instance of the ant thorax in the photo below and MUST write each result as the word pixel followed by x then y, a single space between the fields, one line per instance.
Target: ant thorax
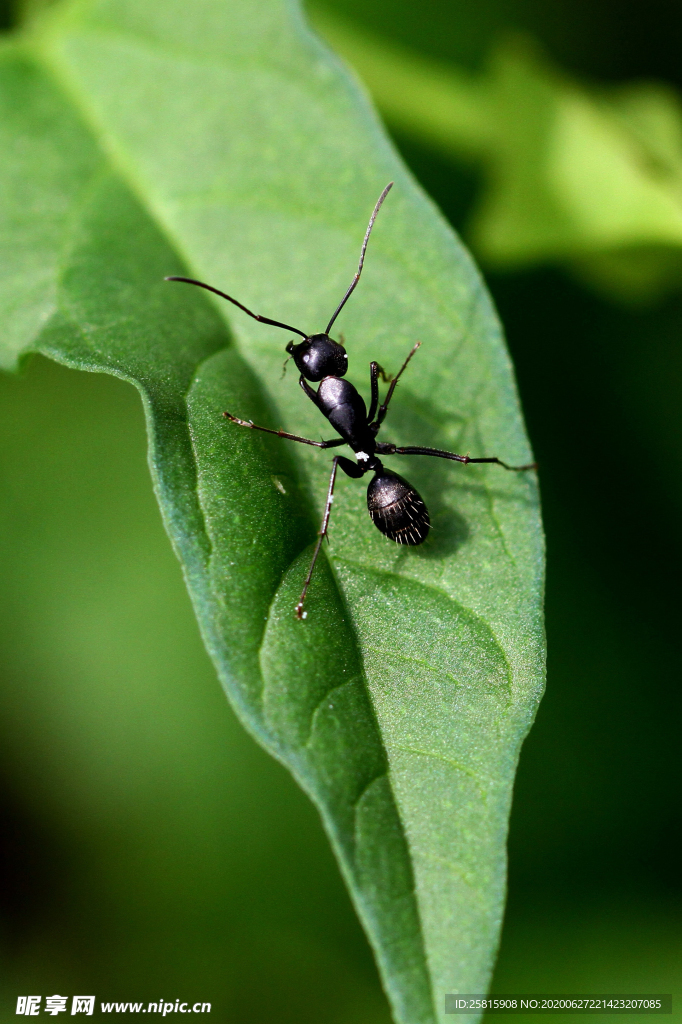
pixel 345 409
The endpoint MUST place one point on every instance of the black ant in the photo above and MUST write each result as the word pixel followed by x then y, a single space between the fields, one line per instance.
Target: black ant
pixel 394 505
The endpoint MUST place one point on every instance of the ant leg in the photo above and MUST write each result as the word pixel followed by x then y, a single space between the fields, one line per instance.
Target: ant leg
pixel 350 469
pixel 375 371
pixel 334 443
pixel 310 392
pixel 384 408
pixel 386 448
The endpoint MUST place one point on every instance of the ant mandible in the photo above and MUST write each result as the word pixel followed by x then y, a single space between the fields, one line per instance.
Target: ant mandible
pixel 394 505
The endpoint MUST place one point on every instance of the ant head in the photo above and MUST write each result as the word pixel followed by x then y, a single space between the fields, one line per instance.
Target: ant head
pixel 319 356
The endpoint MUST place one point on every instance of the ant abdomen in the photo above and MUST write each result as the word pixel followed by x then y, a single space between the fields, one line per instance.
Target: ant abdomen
pixel 397 509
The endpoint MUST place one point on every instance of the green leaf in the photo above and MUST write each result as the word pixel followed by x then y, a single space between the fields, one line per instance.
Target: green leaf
pixel 154 138
pixel 585 177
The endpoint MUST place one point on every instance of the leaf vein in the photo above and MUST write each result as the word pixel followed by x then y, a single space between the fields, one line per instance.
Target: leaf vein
pixel 408 749
pixel 318 706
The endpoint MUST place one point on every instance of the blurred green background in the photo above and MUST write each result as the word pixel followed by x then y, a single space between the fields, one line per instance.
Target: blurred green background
pixel 150 849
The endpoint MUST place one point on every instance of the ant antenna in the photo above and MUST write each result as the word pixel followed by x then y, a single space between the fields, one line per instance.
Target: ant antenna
pixel 263 319
pixel 355 280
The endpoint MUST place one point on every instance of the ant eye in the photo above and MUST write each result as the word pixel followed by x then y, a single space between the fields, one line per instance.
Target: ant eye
pixel 306 357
